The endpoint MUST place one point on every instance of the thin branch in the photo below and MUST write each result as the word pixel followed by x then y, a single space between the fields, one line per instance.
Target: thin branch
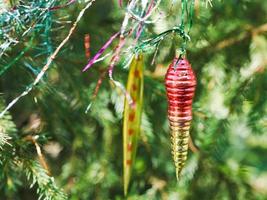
pixel 39 153
pixel 251 32
pixel 49 61
pixel 192 146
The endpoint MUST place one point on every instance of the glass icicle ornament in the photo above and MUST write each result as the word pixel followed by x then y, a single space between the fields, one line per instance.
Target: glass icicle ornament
pixel 132 117
pixel 180 82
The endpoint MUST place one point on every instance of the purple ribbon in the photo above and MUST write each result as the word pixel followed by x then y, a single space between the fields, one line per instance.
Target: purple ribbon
pixel 100 52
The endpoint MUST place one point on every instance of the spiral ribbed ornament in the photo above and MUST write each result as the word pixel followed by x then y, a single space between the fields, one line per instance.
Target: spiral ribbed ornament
pixel 180 82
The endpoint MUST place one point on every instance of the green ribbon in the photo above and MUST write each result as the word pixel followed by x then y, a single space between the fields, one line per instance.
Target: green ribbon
pixel 186 24
pixel 189 19
pixel 16 59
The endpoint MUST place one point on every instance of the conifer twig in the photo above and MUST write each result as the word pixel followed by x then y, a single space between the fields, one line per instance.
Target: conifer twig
pixel 39 153
pixel 251 31
pixel 192 146
pixel 49 61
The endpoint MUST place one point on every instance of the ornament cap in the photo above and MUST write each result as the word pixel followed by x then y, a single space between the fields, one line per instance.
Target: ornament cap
pixel 179 62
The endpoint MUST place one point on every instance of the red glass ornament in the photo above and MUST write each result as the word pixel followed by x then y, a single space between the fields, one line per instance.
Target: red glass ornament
pixel 180 82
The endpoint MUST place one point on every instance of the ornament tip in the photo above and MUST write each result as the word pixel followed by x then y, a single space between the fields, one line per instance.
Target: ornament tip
pixel 178 174
pixel 125 191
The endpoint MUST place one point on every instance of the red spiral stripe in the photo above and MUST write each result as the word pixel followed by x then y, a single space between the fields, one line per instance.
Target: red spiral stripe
pixel 180 82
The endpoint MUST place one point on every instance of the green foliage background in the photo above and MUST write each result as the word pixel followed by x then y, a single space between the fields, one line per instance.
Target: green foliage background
pixel 228 52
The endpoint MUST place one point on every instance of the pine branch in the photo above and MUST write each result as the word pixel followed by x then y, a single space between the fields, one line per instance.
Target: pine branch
pixel 19 20
pixel 16 155
pixel 49 62
pixel 6 127
pixel 4 139
pixel 47 189
pixel 39 153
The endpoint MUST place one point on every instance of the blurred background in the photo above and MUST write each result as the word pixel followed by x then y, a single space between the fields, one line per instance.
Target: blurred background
pixel 83 151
